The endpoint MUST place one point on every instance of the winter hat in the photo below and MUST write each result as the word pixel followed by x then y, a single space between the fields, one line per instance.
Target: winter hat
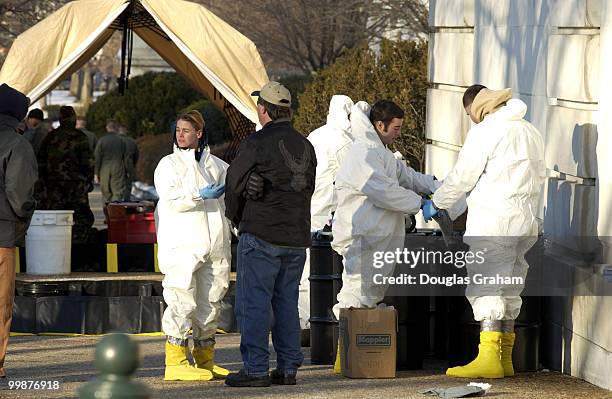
pixel 13 102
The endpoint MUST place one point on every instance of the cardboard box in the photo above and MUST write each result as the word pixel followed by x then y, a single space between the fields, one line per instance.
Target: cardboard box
pixel 368 342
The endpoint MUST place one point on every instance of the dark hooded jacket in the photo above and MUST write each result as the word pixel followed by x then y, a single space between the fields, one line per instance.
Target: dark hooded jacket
pixel 18 174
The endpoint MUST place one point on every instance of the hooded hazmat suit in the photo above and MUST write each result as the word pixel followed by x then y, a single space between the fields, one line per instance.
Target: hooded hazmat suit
pixel 331 142
pixel 193 239
pixel 502 164
pixel 375 190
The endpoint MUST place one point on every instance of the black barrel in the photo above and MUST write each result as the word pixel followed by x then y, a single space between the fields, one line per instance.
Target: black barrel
pixel 338 268
pixel 412 330
pixel 413 312
pixel 442 326
pixel 324 288
pixel 41 289
pixel 464 335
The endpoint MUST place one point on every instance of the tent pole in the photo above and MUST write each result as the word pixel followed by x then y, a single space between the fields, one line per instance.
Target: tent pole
pixel 123 50
pixel 130 46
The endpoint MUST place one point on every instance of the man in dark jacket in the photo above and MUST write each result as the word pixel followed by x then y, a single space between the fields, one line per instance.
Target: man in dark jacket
pixel 81 124
pixel 110 168
pixel 37 128
pixel 18 173
pixel 274 235
pixel 66 170
pixel 34 119
pixel 131 159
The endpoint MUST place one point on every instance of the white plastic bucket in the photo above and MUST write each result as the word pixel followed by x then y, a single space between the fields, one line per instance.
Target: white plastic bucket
pixel 48 242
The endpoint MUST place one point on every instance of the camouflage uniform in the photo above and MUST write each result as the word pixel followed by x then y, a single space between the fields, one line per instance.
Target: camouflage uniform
pixel 131 157
pixel 66 168
pixel 110 167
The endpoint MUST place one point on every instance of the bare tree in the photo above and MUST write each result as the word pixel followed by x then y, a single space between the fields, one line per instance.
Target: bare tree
pixel 408 16
pixel 18 15
pixel 308 35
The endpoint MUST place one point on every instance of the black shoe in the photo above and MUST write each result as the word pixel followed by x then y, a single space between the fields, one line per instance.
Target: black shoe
pixel 305 338
pixel 279 377
pixel 241 379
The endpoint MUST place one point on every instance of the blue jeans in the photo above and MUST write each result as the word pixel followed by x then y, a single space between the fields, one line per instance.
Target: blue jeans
pixel 268 275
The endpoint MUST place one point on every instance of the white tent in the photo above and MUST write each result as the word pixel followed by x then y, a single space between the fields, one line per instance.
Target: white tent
pixel 214 57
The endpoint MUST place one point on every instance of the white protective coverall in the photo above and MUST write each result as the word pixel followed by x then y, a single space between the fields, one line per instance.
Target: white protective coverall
pixel 331 142
pixel 375 190
pixel 502 164
pixel 193 237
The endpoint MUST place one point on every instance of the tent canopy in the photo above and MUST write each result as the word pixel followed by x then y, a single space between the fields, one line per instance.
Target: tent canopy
pixel 214 57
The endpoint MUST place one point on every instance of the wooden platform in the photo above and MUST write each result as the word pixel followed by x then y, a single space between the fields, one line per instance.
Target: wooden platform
pixel 34 278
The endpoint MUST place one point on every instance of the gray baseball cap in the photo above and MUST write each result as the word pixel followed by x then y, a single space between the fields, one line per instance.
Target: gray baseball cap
pixel 274 93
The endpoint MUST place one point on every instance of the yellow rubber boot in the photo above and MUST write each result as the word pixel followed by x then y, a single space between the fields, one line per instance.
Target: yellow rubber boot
pixel 337 364
pixel 506 353
pixel 204 359
pixel 178 367
pixel 488 362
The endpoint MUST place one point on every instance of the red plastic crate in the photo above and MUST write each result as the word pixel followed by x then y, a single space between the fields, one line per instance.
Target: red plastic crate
pixel 128 225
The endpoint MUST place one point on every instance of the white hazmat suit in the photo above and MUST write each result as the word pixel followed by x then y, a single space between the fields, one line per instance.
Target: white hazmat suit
pixel 502 164
pixel 375 190
pixel 331 142
pixel 193 239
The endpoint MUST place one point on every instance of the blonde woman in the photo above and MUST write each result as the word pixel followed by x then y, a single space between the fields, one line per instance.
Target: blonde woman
pixel 193 249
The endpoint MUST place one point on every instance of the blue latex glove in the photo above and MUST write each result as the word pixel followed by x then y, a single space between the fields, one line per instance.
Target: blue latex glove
pixel 212 191
pixel 429 211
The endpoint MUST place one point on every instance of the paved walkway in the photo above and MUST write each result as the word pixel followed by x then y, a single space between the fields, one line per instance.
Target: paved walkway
pixel 69 360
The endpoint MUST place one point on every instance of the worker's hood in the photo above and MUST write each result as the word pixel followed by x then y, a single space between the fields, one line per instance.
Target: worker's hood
pixel 488 101
pixel 339 111
pixel 361 127
pixel 190 154
pixel 514 110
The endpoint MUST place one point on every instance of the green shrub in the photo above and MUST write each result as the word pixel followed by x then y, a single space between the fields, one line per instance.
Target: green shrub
pixel 149 106
pixel 296 85
pixel 397 73
pixel 152 149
